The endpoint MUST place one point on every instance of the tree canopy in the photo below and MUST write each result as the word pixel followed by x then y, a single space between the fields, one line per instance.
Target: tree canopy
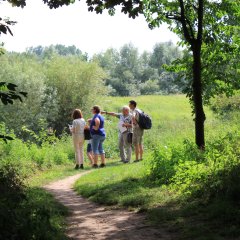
pixel 131 73
pixel 53 91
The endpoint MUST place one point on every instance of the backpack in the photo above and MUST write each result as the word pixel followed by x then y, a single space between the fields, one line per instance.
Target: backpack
pixel 87 134
pixel 144 121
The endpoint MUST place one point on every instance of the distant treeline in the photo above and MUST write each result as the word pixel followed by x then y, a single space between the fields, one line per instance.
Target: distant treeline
pixel 128 71
pixel 131 73
pixel 60 78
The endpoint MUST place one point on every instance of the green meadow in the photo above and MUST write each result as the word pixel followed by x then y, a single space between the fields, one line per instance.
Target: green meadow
pixel 172 120
pixel 176 185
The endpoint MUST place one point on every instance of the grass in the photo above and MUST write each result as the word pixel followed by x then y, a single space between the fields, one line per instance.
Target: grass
pixel 172 121
pixel 128 185
pixel 123 186
pixel 42 178
pixel 45 217
pixel 170 114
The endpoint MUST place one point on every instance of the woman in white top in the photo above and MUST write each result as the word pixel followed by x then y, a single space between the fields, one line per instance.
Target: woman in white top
pixel 78 137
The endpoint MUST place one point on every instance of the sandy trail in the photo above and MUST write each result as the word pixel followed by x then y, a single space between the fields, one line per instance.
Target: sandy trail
pixel 89 221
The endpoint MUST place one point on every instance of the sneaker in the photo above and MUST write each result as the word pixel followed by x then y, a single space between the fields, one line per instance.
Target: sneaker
pixel 102 165
pixel 77 166
pixel 81 166
pixel 136 160
pixel 94 166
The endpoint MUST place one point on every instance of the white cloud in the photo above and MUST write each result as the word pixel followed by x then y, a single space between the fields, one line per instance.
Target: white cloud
pixel 91 32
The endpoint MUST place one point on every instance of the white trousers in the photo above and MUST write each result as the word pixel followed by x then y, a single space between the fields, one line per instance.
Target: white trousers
pixel 78 142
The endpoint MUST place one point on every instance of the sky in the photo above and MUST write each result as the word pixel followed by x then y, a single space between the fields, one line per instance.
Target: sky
pixel 74 25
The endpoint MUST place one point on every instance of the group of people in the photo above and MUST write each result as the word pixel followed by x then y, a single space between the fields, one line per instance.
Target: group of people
pixel 130 134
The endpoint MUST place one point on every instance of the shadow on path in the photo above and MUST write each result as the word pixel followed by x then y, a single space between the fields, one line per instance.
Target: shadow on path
pixel 88 220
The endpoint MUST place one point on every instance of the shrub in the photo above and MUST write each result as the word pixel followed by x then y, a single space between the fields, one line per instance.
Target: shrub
pixel 27 213
pixel 223 105
pixel 162 164
pixel 213 173
pixel 45 152
pixel 12 195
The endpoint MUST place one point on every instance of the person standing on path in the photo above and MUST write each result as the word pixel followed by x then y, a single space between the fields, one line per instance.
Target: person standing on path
pixel 137 131
pixel 125 126
pixel 98 136
pixel 77 130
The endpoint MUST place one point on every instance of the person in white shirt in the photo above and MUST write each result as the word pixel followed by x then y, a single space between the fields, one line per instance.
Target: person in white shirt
pixel 77 130
pixel 125 126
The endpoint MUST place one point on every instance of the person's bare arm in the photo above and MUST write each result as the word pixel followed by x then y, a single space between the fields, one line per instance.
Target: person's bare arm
pixel 109 113
pixel 97 124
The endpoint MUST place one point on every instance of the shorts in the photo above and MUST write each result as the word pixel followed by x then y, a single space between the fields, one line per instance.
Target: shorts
pixel 137 136
pixel 97 144
pixel 89 147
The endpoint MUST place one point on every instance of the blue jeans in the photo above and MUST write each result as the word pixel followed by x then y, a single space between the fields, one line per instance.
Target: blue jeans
pixel 97 144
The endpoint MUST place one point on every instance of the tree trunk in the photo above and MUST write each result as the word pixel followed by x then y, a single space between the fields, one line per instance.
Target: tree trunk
pixel 197 96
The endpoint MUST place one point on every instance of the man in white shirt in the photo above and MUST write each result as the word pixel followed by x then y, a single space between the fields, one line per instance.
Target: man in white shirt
pixel 125 127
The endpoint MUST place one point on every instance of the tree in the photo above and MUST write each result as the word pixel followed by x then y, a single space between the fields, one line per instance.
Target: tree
pixel 8 94
pixel 47 52
pixel 78 85
pixel 128 71
pixel 27 73
pixel 8 91
pixel 199 23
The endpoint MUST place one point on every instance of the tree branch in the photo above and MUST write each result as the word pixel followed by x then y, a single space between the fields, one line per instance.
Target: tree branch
pixel 184 23
pixel 200 20
pixel 190 28
pixel 173 17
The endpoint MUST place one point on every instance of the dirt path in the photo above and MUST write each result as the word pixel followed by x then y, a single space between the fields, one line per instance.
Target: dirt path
pixel 91 221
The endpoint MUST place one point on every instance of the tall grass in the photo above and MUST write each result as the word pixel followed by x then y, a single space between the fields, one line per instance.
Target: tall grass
pixel 172 121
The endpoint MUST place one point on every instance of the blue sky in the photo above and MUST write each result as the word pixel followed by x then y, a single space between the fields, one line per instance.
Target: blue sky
pixel 74 25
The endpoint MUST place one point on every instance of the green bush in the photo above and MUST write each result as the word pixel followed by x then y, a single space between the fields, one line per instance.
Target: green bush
pixel 162 164
pixel 223 105
pixel 45 152
pixel 27 213
pixel 12 195
pixel 213 173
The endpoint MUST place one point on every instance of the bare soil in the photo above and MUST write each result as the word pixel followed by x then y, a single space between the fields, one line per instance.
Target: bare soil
pixel 88 221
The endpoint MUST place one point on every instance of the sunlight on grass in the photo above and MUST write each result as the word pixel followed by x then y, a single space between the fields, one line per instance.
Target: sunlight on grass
pixel 124 185
pixel 44 177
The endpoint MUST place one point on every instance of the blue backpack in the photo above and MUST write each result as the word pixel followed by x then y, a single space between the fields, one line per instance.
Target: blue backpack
pixel 144 121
